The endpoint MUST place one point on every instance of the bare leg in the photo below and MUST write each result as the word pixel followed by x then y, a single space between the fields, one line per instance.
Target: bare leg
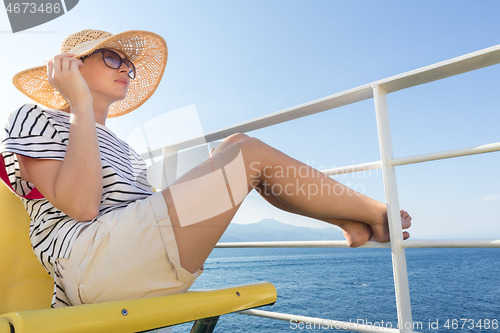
pixel 305 189
pixel 356 233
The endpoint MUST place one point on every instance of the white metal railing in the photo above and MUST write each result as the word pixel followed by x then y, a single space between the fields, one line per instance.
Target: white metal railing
pixel 378 91
pixel 407 244
pixel 321 323
pixel 458 65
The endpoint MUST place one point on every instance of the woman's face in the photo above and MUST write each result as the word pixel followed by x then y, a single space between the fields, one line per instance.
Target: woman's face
pixel 105 83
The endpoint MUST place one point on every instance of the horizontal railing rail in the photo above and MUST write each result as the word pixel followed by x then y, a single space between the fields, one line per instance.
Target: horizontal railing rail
pixel 459 65
pixel 487 148
pixel 444 243
pixel 323 323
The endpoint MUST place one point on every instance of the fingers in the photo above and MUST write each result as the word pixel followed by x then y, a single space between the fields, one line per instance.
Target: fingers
pixel 50 69
pixel 64 63
pixel 64 75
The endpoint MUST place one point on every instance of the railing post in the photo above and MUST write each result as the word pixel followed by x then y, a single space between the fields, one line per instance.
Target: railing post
pixel 391 195
pixel 169 167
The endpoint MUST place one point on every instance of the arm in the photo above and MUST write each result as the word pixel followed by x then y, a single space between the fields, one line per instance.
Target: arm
pixel 73 185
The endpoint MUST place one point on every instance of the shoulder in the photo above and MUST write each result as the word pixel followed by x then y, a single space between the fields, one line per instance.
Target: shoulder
pixel 25 111
pixel 25 108
pixel 27 120
pixel 19 116
pixel 31 109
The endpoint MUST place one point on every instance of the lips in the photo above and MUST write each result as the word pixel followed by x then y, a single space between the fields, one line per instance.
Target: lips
pixel 124 82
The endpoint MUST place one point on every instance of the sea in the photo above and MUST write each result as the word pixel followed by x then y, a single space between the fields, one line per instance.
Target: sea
pixel 451 289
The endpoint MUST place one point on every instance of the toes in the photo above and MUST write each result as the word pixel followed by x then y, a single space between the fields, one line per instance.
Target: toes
pixel 405 219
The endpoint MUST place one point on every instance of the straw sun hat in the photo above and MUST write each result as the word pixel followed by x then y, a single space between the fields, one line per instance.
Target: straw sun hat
pixel 147 50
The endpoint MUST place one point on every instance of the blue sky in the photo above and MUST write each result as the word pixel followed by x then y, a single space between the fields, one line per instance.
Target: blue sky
pixel 237 60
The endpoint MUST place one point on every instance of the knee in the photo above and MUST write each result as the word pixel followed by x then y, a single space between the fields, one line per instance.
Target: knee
pixel 236 137
pixel 243 142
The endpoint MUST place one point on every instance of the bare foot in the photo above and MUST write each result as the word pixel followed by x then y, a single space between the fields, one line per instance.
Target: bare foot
pixel 358 233
pixel 381 229
pixel 405 223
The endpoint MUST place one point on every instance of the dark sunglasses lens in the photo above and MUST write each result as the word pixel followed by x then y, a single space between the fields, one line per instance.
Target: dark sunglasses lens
pixel 112 59
pixel 131 72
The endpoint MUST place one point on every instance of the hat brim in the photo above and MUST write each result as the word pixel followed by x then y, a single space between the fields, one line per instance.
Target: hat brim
pixel 147 50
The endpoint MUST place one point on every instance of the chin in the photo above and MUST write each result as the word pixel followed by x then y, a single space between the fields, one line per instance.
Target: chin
pixel 120 97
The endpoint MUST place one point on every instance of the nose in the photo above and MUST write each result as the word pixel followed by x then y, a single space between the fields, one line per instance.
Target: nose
pixel 124 67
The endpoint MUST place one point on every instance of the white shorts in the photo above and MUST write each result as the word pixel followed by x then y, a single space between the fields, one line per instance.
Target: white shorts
pixel 128 253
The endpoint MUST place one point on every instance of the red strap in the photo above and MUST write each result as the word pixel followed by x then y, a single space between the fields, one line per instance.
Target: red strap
pixel 34 193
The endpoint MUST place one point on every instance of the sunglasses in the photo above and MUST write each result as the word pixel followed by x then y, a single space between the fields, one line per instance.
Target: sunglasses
pixel 113 60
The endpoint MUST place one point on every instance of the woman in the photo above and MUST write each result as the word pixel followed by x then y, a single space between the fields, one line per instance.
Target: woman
pixel 97 226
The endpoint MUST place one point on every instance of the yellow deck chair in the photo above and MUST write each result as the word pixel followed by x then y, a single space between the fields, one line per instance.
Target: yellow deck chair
pixel 26 292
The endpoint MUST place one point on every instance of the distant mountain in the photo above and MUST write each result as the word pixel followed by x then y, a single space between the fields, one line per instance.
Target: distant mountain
pixel 272 230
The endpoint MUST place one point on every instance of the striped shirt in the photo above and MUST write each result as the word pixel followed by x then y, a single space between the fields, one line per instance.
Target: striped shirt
pixel 42 133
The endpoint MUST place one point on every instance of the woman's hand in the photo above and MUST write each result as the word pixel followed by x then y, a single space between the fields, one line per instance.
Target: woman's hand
pixel 63 73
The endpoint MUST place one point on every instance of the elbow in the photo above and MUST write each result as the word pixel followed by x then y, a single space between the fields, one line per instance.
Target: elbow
pixel 89 215
pixel 78 203
pixel 84 214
